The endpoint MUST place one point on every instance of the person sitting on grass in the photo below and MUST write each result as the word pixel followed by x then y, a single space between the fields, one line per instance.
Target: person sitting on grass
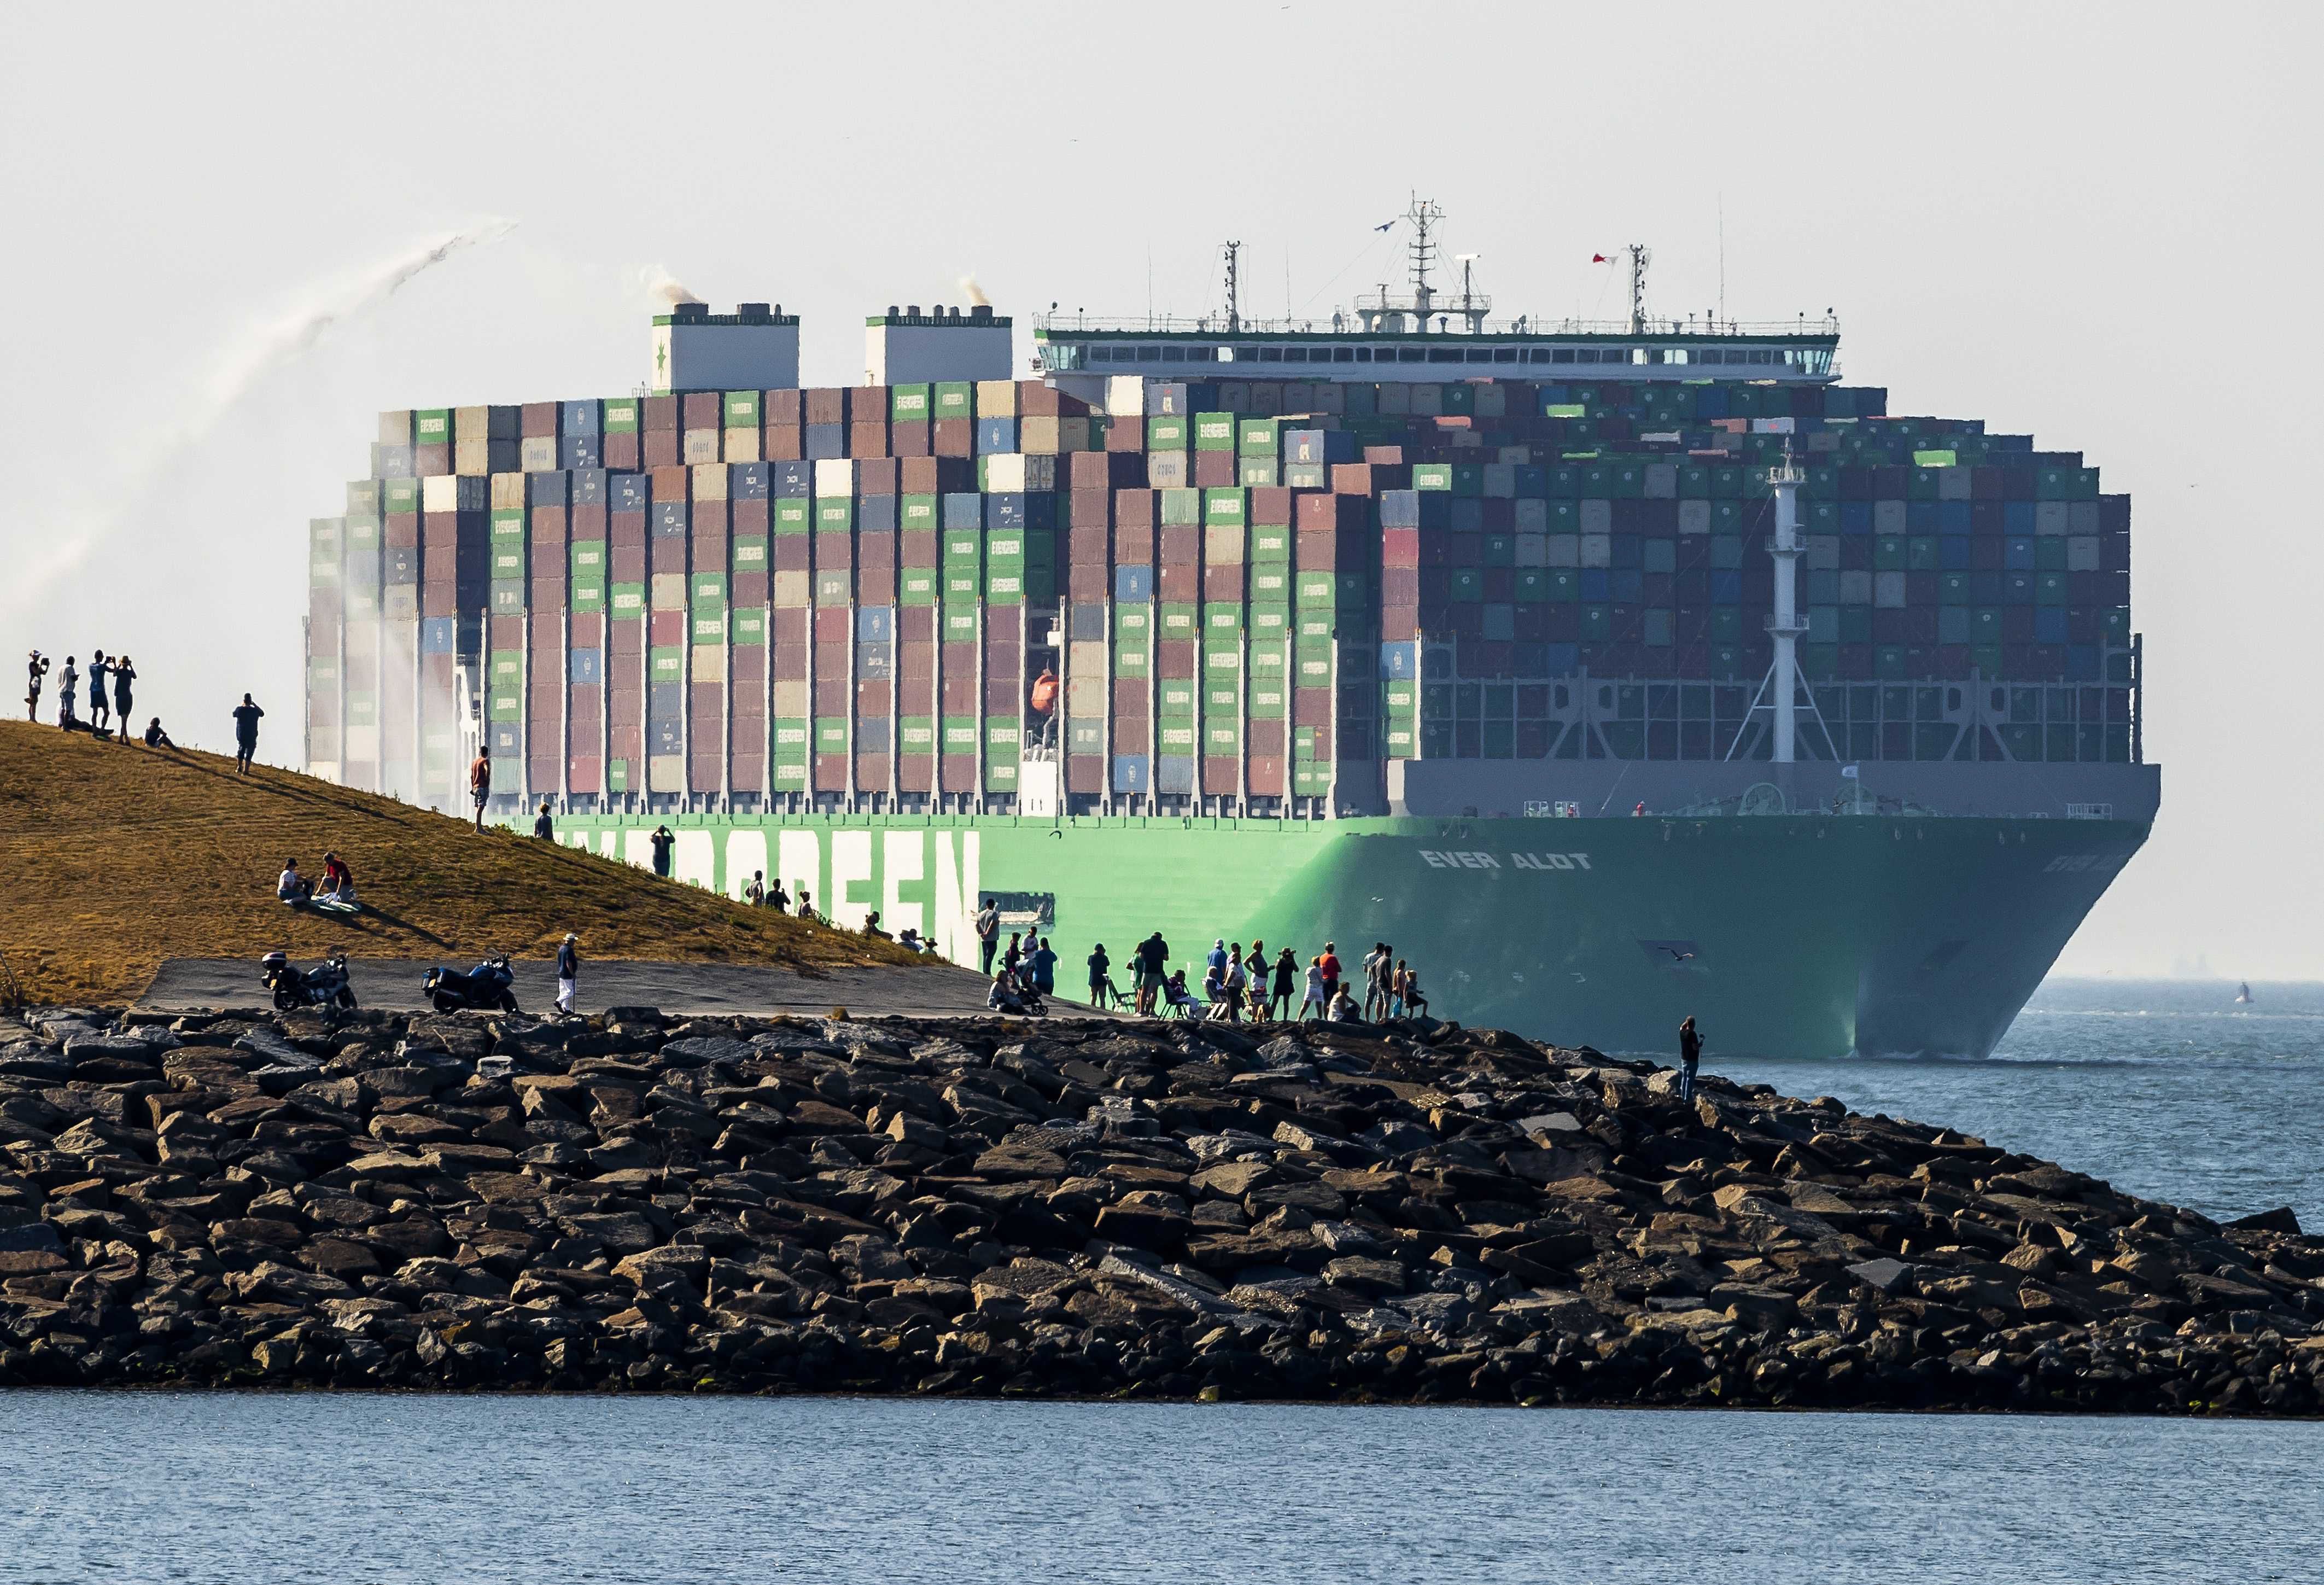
pixel 155 738
pixel 338 889
pixel 292 887
pixel 871 926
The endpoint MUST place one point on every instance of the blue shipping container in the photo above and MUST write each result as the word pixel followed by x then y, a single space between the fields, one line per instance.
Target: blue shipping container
pixel 875 514
pixel 578 418
pixel 436 635
pixel 586 667
pixel 874 624
pixel 790 481
pixel 669 519
pixel 628 492
pixel 1174 773
pixel 546 489
pixel 963 509
pixel 821 441
pixel 579 451
pixel 1133 583
pixel 1130 773
pixel 746 481
pixel 994 436
pixel 588 487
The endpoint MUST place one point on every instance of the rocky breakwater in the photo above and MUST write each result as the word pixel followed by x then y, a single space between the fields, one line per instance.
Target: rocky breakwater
pixel 1071 1208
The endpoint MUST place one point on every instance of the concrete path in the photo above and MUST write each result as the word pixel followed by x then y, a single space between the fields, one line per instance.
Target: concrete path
pixel 924 989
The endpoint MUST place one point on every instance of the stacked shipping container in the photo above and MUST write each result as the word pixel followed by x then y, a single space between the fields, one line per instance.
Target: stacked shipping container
pixel 1253 595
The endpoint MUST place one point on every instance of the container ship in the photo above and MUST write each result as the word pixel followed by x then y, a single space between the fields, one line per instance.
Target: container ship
pixel 1609 672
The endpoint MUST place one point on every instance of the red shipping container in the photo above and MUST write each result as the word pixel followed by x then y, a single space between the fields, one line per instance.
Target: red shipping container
pixel 915 659
pixel 440 599
pixel 1088 584
pixel 916 625
pixel 781 442
pixel 701 410
pixel 1133 546
pixel 708 699
pixel 666 630
pixel 834 624
pixel 504 633
pixel 833 695
pixel 953 437
pixel 835 552
pixel 875 553
pixel 1270 507
pixel 959 692
pixel 1221 584
pixel 585 630
pixel 1181 542
pixel 662 448
pixel 587 523
pixel 1088 509
pixel 1263 736
pixel 788 625
pixel 1312 706
pixel 747 773
pixel 626 528
pixel 959 771
pixel 909 439
pixel 782 407
pixel 937 476
pixel 1399 625
pixel 1173 658
pixel 747 517
pixel 706 519
pixel 584 773
pixel 544 772
pixel 830 776
pixel 824 404
pixel 1128 436
pixel 747 664
pixel 875 476
pixel 623 453
pixel 1084 773
pixel 875 696
pixel 1403 547
pixel 1130 697
pixel 661 413
pixel 1219 770
pixel 915 773
pixel 1177 581
pixel 791 552
pixel 1089 545
pixel 917 548
pixel 831 666
pixel 1214 470
pixel 549 525
pixel 1131 735
pixel 666 555
pixel 1004 693
pixel 1135 509
pixel 1264 777
pixel 872 773
pixel 749 588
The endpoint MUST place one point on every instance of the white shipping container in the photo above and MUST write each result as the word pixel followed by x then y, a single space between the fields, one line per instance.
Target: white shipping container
pixel 742 446
pixel 1823 552
pixel 702 446
pixel 1856 587
pixel 1125 396
pixel 666 773
pixel 472 458
pixel 1531 549
pixel 790 697
pixel 1004 473
pixel 791 589
pixel 1952 484
pixel 1889 590
pixel 709 481
pixel 1888 517
pixel 1170 470
pixel 835 476
pixel 2051 519
pixel 2082 553
pixel 1662 484
pixel 1695 517
pixel 1597 549
pixel 668 592
pixel 537 454
pixel 1597 518
pixel 1560 550
pixel 1531 516
pixel 439 493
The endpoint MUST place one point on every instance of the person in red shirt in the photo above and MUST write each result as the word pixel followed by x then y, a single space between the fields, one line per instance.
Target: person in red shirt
pixel 1045 703
pixel 1330 972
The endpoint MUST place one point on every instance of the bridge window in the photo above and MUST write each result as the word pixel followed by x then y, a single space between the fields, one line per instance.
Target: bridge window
pixel 1295 354
pixel 1505 355
pixel 1444 355
pixel 1146 353
pixel 1760 354
pixel 1566 355
pixel 1540 355
pixel 1585 354
pixel 1174 355
pixel 1411 354
pixel 1347 354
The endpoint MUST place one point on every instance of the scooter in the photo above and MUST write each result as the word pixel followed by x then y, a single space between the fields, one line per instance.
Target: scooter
pixel 482 988
pixel 325 985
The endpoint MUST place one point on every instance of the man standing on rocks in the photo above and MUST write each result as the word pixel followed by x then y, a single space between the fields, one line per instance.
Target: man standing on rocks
pixel 568 971
pixel 245 734
pixel 1153 961
pixel 1690 1056
pixel 1330 966
pixel 1375 975
pixel 988 934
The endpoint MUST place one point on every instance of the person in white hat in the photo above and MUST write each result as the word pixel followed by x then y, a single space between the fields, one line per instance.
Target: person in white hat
pixel 569 970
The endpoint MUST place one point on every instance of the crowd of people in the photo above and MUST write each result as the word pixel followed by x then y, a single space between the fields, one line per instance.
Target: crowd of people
pixel 111 695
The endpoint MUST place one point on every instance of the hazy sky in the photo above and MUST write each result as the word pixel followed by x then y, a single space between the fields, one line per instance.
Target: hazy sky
pixel 2094 224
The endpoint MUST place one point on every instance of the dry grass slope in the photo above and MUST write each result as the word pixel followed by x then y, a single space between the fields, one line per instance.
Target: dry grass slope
pixel 114 857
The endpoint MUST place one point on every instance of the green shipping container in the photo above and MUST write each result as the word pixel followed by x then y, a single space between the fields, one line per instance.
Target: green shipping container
pixel 831 734
pixel 1168 432
pixel 750 624
pixel 1214 431
pixel 909 404
pixel 620 415
pixel 954 399
pixel 741 409
pixel 666 664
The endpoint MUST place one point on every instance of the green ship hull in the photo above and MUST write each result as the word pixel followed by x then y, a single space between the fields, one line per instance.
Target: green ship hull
pixel 1791 935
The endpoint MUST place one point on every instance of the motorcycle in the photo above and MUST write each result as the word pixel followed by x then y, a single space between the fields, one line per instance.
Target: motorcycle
pixel 325 985
pixel 486 986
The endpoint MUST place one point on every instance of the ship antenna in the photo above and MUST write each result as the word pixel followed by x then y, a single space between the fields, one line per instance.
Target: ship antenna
pixel 1640 257
pixel 1234 311
pixel 1424 216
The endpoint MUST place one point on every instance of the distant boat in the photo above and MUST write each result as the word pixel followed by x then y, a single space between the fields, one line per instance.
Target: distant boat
pixel 2243 993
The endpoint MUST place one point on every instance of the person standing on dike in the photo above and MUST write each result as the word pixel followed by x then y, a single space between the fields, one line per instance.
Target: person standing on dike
pixel 1690 1056
pixel 40 670
pixel 123 673
pixel 245 734
pixel 480 785
pixel 65 686
pixel 1286 983
pixel 99 705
